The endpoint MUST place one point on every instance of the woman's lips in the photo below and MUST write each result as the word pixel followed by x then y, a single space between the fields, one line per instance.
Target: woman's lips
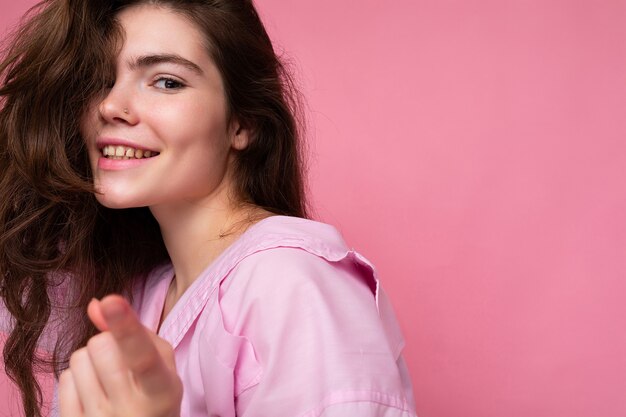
pixel 117 163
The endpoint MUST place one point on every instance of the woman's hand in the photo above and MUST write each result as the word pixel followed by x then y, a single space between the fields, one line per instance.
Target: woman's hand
pixel 125 371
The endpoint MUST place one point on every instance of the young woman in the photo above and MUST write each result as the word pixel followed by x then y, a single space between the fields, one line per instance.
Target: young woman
pixel 150 149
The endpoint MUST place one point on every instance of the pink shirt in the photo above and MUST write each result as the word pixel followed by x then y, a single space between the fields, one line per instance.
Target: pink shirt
pixel 287 322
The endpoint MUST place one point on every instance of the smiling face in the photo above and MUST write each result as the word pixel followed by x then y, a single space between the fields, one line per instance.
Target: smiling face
pixel 160 135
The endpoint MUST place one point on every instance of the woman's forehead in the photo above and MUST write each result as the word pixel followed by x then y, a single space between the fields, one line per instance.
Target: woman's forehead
pixel 150 29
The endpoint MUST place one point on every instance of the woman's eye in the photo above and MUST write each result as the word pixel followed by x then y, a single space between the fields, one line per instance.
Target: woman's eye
pixel 168 84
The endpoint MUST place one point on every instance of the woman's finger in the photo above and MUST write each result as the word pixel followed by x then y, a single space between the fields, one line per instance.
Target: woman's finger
pixel 69 403
pixel 88 387
pixel 95 315
pixel 165 349
pixel 110 367
pixel 136 347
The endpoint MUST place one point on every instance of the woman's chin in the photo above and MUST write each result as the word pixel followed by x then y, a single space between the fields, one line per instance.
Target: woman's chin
pixel 117 202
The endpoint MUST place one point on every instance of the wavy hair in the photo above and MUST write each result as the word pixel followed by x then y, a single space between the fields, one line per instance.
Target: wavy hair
pixel 58 247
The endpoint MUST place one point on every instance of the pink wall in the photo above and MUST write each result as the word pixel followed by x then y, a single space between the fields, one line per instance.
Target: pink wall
pixel 475 151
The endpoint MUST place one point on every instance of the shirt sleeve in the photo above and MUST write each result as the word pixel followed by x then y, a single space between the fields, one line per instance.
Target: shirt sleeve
pixel 317 333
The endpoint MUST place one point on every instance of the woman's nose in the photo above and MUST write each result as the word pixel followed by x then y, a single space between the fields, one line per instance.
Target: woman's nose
pixel 116 107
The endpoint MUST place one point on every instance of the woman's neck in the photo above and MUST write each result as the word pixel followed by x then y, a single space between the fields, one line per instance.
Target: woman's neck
pixel 196 233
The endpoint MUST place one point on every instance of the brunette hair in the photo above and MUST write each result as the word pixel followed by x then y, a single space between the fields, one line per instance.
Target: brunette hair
pixel 58 247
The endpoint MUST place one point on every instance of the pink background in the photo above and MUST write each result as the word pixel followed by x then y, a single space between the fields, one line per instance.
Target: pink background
pixel 475 151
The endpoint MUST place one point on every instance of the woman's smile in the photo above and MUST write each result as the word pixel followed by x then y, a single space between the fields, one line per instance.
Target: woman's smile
pixel 120 154
pixel 125 152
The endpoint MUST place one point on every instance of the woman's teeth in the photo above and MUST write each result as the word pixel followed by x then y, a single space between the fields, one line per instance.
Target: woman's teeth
pixel 125 152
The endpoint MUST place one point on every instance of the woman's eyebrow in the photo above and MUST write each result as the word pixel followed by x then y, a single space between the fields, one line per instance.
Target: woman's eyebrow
pixel 153 59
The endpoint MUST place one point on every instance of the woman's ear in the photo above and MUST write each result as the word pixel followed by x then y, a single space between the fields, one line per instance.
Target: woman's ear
pixel 240 136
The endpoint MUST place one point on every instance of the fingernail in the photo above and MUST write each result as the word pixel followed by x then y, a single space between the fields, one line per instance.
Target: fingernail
pixel 114 312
